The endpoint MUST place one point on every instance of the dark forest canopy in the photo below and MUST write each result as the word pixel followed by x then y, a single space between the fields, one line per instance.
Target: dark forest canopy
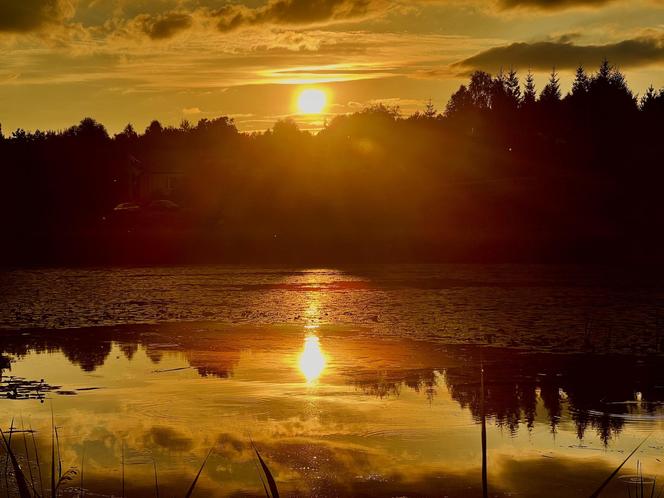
pixel 505 173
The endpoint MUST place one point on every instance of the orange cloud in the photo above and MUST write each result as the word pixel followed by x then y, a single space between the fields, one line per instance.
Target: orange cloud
pixel 296 12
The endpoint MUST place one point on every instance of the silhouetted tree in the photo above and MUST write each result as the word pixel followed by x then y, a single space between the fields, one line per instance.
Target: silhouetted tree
pixel 286 128
pixel 608 89
pixel 551 91
pixel 460 103
pixel 430 111
pixel 652 102
pixel 127 133
pixel 482 90
pixel 581 83
pixel 89 130
pixel 648 99
pixel 154 128
pixel 500 101
pixel 513 88
pixel 529 93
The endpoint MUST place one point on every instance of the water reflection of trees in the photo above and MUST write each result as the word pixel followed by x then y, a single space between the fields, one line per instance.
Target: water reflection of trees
pixel 385 384
pixel 89 349
pixel 596 393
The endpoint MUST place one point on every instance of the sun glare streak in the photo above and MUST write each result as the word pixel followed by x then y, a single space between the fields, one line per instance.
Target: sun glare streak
pixel 312 360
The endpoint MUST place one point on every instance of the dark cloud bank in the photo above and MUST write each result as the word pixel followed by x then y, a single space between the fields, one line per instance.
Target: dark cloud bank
pixel 20 16
pixel 547 54
pixel 552 4
pixel 162 26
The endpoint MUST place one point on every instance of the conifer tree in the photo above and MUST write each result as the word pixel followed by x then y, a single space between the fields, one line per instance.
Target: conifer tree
pixel 529 93
pixel 551 92
pixel 647 101
pixel 581 83
pixel 430 111
pixel 513 88
pixel 604 72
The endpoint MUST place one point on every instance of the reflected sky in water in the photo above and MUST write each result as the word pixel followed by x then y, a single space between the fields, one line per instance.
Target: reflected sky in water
pixel 334 413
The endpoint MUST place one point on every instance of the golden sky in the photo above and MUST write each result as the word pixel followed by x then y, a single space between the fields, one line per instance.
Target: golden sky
pixel 122 61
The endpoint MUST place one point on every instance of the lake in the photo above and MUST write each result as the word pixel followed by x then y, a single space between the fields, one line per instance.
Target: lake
pixel 372 381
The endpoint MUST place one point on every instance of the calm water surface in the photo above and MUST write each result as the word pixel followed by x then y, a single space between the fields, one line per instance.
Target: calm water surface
pixel 362 383
pixel 514 305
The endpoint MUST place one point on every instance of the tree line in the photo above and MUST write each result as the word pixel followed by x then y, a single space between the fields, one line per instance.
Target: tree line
pixel 504 173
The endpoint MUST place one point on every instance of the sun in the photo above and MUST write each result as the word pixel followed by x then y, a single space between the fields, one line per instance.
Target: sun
pixel 312 360
pixel 311 101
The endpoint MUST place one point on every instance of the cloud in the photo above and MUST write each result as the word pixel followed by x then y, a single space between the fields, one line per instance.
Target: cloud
pixel 167 438
pixel 551 4
pixel 191 111
pixel 295 12
pixel 22 16
pixel 635 52
pixel 163 26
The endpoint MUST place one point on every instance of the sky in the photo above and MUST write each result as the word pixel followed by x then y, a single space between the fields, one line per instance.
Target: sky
pixel 122 61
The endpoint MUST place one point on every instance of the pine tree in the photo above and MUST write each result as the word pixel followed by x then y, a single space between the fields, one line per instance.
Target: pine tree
pixel 529 93
pixel 617 80
pixel 430 111
pixel 581 83
pixel 604 72
pixel 551 92
pixel 513 88
pixel 609 88
pixel 647 101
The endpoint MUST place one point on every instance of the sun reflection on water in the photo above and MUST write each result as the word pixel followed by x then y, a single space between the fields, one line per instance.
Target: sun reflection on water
pixel 312 360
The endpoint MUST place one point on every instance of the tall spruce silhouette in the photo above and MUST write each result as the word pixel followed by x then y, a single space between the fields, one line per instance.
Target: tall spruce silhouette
pixel 551 92
pixel 529 92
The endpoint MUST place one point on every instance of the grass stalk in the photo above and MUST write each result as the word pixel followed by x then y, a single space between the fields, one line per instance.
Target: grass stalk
pixel 193 484
pixel 268 475
pixel 19 477
pixel 122 463
pixel 39 471
pixel 53 489
pixel 156 481
pixel 81 491
pixel 615 472
pixel 27 457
